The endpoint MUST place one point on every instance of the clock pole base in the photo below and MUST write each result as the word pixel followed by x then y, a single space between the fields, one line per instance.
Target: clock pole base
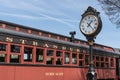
pixel 91 75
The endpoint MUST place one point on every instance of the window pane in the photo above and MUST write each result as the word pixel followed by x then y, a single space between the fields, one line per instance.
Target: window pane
pixel 111 62
pixel 2 57
pixel 39 55
pixel 49 61
pixel 80 56
pixel 49 52
pixel 81 63
pixel 45 34
pixel 86 60
pixel 106 59
pixel 97 64
pixel 102 58
pixel 28 54
pixel 58 53
pixel 106 65
pixel 14 58
pixel 58 61
pixel 10 27
pixel 2 47
pixel 15 48
pixel 67 58
pixel 74 58
pixel 97 58
pixel 102 64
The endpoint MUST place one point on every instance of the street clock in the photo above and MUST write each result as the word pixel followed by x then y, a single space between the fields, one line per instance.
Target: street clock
pixel 90 24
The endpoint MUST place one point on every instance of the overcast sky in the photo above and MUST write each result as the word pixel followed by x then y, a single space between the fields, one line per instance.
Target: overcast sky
pixel 58 16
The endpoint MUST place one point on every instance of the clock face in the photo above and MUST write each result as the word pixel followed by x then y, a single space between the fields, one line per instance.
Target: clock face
pixel 89 24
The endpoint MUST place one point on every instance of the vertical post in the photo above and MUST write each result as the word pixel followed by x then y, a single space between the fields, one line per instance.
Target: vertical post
pixel 91 75
pixel 90 35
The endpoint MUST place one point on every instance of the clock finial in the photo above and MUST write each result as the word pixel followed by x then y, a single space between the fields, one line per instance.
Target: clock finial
pixel 91 10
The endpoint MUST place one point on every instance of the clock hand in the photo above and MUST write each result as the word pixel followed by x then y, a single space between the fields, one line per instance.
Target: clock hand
pixel 89 25
pixel 92 27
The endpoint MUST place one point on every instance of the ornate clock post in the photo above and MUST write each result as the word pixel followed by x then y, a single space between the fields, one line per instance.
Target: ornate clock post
pixel 90 26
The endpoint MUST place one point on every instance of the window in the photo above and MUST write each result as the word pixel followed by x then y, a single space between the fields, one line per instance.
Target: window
pixel 81 59
pixel 54 36
pixel 59 61
pixel 2 47
pixel 2 57
pixel 23 30
pixel 81 50
pixel 86 59
pixel 59 58
pixel 15 49
pixel 80 56
pixel 97 58
pixel 81 63
pixel 28 54
pixel 111 62
pixel 10 27
pixel 49 52
pixel 102 58
pixel 58 54
pixel 106 62
pixel 14 58
pixel 45 34
pixel 35 32
pixel 67 58
pixel 49 60
pixel 102 64
pixel 2 54
pixel 106 59
pixel 106 65
pixel 97 64
pixel 39 55
pixel 62 38
pixel 102 61
pixel 74 58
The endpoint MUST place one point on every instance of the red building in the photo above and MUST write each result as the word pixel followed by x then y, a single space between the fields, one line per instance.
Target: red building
pixel 31 54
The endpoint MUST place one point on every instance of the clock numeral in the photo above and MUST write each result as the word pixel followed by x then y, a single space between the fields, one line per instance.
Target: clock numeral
pixel 88 32
pixel 83 28
pixel 85 18
pixel 83 21
pixel 82 25
pixel 95 27
pixel 89 17
pixel 95 23
pixel 94 20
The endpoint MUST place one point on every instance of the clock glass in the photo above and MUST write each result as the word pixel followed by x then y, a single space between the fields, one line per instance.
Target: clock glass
pixel 89 24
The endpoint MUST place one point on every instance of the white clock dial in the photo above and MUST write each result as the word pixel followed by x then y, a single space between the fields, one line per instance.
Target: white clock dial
pixel 89 24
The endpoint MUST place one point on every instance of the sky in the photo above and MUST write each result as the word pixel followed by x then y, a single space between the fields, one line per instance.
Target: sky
pixel 58 16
